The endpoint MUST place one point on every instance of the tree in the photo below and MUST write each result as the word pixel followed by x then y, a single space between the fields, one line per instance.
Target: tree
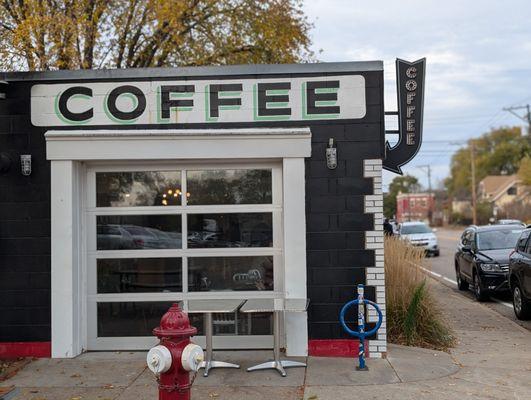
pixel 86 34
pixel 524 171
pixel 498 152
pixel 400 184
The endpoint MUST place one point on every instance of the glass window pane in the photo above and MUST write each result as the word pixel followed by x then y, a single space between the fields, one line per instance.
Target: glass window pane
pixel 230 230
pixel 226 324
pixel 130 189
pixel 130 318
pixel 229 186
pixel 130 275
pixel 230 273
pixel 134 232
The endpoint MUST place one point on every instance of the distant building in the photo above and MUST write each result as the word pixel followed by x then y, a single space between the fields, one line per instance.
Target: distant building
pixel 463 207
pixel 501 190
pixel 414 206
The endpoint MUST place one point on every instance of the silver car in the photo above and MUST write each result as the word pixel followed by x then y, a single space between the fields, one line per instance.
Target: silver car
pixel 420 234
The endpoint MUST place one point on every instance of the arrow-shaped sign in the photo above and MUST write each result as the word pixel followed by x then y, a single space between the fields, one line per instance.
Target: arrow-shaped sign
pixel 410 90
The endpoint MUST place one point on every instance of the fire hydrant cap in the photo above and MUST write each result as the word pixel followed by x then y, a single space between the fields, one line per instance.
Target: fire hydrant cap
pixel 175 323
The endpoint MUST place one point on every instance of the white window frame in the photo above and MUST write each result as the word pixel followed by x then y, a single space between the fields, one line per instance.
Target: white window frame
pixel 91 212
pixel 71 151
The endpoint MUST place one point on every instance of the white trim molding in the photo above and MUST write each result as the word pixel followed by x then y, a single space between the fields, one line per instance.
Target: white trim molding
pixel 295 324
pixel 374 240
pixel 178 144
pixel 67 294
pixel 72 152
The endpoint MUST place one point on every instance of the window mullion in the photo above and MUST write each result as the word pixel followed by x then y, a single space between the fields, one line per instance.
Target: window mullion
pixel 184 229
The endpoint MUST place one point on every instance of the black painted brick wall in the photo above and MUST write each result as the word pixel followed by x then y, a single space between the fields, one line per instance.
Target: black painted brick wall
pixel 335 218
pixel 24 225
pixel 336 258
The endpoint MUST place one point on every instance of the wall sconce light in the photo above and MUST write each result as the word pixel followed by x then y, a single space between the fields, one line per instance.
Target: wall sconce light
pixel 5 162
pixel 25 162
pixel 3 87
pixel 331 155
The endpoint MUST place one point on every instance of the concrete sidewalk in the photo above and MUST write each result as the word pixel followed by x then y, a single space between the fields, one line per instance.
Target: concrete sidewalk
pixel 491 361
pixel 124 376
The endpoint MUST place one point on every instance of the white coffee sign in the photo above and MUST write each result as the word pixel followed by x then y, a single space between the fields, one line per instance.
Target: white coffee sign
pixel 199 101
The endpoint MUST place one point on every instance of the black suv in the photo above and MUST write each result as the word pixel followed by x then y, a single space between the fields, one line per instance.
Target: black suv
pixel 482 258
pixel 520 275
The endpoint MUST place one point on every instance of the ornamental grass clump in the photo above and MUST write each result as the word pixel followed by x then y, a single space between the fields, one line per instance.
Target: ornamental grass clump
pixel 413 317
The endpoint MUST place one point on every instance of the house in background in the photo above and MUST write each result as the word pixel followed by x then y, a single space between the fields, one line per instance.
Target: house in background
pixel 501 190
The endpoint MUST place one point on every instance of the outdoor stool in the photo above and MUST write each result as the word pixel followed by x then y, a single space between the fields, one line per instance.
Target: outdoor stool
pixel 277 307
pixel 207 308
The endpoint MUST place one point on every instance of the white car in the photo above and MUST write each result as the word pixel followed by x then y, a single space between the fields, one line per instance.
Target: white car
pixel 419 234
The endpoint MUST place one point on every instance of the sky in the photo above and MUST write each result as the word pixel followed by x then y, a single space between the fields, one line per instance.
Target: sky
pixel 478 62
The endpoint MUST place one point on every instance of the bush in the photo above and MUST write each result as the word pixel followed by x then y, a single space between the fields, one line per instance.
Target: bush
pixel 413 317
pixel 460 219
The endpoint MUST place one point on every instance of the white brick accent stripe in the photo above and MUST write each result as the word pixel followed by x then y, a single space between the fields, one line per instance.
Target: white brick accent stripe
pixel 374 240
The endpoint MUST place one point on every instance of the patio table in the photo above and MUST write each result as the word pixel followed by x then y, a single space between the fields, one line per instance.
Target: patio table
pixel 277 307
pixel 208 307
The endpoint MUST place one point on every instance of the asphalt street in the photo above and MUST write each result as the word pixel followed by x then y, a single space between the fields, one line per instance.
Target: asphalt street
pixel 442 268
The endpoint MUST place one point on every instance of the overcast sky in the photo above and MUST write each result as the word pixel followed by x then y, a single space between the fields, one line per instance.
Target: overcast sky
pixel 478 61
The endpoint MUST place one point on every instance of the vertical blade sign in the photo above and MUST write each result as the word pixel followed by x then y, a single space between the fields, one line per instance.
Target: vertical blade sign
pixel 410 90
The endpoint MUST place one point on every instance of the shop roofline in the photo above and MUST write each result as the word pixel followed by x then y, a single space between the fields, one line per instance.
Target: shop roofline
pixel 154 73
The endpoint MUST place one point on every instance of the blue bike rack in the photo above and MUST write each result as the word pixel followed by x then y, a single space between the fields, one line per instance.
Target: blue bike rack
pixel 360 333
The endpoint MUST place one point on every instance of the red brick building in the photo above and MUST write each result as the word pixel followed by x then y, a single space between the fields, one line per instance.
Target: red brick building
pixel 414 206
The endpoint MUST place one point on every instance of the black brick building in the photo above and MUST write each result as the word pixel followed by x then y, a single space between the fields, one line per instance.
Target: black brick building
pixel 84 131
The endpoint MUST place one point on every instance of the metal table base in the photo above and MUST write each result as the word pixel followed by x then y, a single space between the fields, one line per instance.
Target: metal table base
pixel 209 363
pixel 277 363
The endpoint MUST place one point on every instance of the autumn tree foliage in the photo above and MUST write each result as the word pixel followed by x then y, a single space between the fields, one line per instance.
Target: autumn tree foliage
pixel 498 152
pixel 86 34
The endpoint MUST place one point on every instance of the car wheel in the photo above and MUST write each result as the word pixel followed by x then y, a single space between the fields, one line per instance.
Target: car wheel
pixel 461 283
pixel 522 307
pixel 437 253
pixel 479 292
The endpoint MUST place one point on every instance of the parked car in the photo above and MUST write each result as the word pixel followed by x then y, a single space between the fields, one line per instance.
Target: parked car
pixel 419 234
pixel 520 275
pixel 113 237
pixel 482 258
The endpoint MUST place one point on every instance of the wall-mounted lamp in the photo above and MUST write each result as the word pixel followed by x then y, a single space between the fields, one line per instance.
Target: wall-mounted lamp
pixel 25 163
pixel 331 155
pixel 3 88
pixel 5 163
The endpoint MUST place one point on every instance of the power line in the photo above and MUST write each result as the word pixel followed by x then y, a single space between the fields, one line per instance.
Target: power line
pixel 526 117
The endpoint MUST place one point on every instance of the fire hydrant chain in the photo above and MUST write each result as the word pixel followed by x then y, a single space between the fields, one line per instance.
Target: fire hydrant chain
pixel 176 387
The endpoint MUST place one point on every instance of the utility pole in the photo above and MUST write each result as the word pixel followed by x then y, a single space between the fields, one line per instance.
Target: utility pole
pixel 526 117
pixel 473 171
pixel 430 205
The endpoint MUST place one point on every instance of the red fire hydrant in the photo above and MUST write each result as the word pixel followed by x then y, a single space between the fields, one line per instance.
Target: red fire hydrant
pixel 175 356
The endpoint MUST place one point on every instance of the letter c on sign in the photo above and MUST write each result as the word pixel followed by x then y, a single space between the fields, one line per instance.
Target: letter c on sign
pixel 411 72
pixel 67 95
pixel 126 115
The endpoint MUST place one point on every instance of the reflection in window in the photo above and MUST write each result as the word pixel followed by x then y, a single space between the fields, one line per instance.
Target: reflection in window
pixel 130 318
pixel 129 189
pixel 230 230
pixel 229 186
pixel 133 232
pixel 230 273
pixel 132 275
